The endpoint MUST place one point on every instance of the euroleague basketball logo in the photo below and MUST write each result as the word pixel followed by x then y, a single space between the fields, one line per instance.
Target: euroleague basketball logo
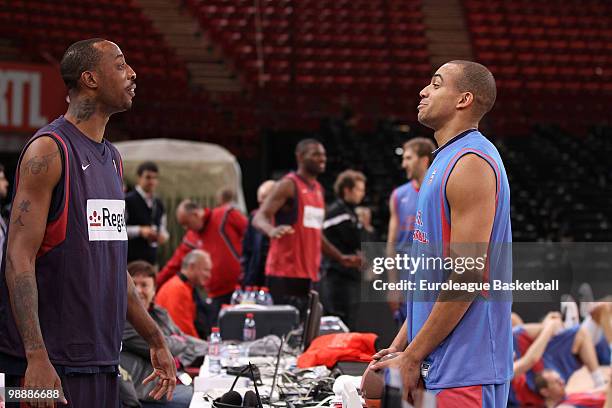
pixel 106 220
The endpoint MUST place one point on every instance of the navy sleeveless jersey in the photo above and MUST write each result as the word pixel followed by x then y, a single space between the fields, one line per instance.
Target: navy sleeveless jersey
pixel 479 349
pixel 81 264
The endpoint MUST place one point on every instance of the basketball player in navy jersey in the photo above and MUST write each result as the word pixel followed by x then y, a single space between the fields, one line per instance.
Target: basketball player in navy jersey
pixel 64 288
pixel 459 343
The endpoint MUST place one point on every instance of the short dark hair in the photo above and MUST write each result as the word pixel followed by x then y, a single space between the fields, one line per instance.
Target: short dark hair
pixel 303 145
pixel 147 166
pixel 141 268
pixel 478 80
pixel 422 146
pixel 1 168
pixel 226 195
pixel 79 57
pixel 347 179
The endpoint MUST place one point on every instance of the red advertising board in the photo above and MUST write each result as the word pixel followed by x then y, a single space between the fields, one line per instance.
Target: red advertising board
pixel 31 95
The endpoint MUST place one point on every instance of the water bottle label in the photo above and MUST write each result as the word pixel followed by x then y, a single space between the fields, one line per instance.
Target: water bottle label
pixel 248 334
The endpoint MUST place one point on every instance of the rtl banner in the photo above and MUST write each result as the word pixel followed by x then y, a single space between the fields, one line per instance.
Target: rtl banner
pixel 31 95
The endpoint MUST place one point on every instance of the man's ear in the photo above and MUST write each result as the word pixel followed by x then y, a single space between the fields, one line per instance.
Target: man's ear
pixel 89 80
pixel 466 100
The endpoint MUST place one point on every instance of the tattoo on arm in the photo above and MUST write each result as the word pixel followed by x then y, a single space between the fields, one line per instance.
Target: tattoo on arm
pixel 19 222
pixel 24 207
pixel 36 164
pixel 24 297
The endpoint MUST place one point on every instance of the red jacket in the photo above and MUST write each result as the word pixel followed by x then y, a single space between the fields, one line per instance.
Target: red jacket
pixel 331 348
pixel 221 237
pixel 177 298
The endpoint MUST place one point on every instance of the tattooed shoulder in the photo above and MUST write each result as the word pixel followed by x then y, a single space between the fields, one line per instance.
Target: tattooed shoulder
pixel 39 164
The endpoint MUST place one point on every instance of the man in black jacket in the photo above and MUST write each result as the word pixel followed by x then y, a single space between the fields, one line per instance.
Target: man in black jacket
pixel 340 285
pixel 145 216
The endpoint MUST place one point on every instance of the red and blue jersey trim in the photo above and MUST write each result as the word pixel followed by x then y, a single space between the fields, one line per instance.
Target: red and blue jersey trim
pixel 55 230
pixel 445 208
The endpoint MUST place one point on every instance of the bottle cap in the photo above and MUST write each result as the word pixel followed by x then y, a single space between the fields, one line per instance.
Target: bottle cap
pixel 215 330
pixel 249 315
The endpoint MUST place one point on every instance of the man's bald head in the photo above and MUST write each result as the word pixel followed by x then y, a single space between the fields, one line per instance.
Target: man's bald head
pixel 187 206
pixel 311 157
pixel 304 144
pixel 197 265
pixel 190 215
pixel 477 79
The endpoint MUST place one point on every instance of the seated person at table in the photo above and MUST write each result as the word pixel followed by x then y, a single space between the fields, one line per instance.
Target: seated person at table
pixel 179 295
pixel 135 357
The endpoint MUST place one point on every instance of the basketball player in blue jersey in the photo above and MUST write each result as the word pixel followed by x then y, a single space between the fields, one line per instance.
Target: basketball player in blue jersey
pixel 460 345
pixel 416 158
pixel 64 288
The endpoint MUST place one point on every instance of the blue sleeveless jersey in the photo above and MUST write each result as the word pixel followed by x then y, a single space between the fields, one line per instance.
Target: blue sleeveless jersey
pixel 81 264
pixel 405 200
pixel 479 349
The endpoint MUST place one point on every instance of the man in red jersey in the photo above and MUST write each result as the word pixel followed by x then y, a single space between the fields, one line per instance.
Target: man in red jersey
pixel 292 216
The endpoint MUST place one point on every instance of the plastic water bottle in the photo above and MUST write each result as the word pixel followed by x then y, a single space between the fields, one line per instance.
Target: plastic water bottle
pixel 253 295
pixel 250 298
pixel 237 296
pixel 214 351
pixel 245 295
pixel 249 333
pixel 269 300
pixel 264 297
pixel 261 297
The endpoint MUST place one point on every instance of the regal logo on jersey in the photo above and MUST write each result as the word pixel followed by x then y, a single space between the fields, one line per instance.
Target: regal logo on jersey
pixel 106 220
